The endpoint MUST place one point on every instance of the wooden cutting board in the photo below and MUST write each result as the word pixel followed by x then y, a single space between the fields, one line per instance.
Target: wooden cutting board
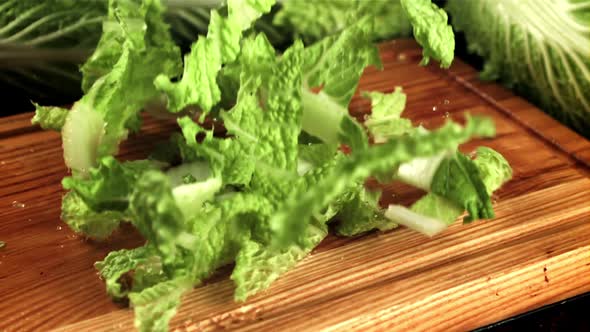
pixel 537 250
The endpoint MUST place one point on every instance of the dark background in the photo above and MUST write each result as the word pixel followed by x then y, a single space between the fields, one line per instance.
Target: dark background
pixel 15 100
pixel 570 315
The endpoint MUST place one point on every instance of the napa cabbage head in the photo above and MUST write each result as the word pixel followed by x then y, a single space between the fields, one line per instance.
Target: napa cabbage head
pixel 540 48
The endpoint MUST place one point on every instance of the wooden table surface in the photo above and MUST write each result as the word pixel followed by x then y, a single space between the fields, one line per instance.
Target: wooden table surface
pixel 537 250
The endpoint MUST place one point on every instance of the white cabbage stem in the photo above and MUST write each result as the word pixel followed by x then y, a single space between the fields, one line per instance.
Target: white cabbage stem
pixel 406 217
pixel 81 136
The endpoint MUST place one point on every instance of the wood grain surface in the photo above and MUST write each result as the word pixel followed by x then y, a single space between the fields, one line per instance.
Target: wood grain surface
pixel 537 250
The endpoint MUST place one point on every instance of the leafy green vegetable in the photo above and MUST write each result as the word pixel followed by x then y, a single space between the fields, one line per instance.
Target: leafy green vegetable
pixel 50 118
pixel 110 45
pixel 96 205
pixel 311 156
pixel 385 120
pixel 82 219
pixel 312 21
pixel 118 263
pixel 258 266
pixel 261 195
pixel 430 212
pixel 363 214
pixel 224 227
pixel 431 31
pixel 331 65
pixel 493 167
pixel 198 83
pixel 99 121
pixel 289 222
pixel 42 44
pixel 457 179
pixel 109 184
pixel 540 51
pixel 433 212
pixel 155 306
pixel 438 207
pixel 158 217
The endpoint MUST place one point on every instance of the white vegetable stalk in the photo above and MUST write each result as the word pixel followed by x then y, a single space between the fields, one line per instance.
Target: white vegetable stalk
pixel 322 116
pixel 406 217
pixel 81 136
pixel 190 197
pixel 419 172
pixel 199 170
pixel 303 167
